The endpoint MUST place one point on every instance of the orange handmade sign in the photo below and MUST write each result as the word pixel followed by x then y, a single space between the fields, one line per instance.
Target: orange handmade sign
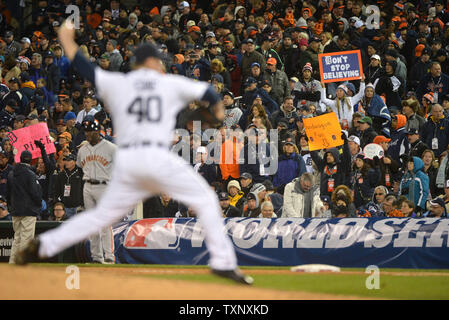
pixel 323 131
pixel 23 139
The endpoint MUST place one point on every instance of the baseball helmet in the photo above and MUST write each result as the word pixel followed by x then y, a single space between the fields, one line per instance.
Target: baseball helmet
pixel 91 124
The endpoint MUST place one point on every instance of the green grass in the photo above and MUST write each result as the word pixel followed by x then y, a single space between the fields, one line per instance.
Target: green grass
pixel 391 286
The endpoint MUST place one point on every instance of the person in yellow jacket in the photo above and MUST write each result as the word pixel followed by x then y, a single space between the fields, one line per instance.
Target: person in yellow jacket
pixel 236 195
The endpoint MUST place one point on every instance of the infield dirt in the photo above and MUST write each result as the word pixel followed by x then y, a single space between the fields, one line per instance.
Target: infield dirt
pixel 49 283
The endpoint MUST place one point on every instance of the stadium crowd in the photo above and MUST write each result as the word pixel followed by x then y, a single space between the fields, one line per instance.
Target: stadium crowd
pixel 262 57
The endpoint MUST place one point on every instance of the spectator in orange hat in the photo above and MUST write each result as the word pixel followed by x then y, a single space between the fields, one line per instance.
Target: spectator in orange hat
pixel 399 144
pixel 427 101
pixel 389 168
pixel 178 59
pixel 278 79
pixel 266 49
pixel 64 138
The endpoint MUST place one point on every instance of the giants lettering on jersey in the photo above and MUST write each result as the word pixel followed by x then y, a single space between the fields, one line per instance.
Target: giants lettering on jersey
pixel 96 158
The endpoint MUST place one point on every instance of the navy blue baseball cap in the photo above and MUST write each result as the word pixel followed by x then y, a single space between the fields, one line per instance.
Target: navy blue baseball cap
pixel 147 50
pixel 250 80
pixel 223 196
pixel 26 156
pixel 437 202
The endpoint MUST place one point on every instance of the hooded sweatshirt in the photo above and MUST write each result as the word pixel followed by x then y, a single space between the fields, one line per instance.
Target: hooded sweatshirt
pixel 252 213
pixel 399 144
pixel 333 174
pixel 372 208
pixel 415 185
pixel 237 10
pixel 363 185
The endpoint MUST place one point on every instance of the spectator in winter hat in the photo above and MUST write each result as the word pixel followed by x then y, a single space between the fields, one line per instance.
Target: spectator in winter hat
pixel 70 121
pixel 236 195
pixel 437 209
pixel 252 208
pixel 342 105
pixel 115 58
pixel 374 207
pixel 415 183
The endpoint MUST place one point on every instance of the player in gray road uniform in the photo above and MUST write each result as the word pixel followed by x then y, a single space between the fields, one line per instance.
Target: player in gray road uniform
pixel 96 158
pixel 144 104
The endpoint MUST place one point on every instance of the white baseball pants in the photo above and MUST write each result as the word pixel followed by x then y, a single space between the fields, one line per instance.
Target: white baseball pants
pixel 139 173
pixel 102 242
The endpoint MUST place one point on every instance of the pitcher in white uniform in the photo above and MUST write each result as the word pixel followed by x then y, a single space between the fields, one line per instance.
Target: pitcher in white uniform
pixel 144 104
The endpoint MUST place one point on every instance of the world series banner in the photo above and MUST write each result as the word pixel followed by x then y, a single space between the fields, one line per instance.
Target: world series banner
pixel 340 66
pixel 349 242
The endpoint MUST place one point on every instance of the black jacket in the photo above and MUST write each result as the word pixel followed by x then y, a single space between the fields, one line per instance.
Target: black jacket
pixel 24 194
pixel 209 172
pixel 363 184
pixel 53 78
pixel 342 165
pixel 367 137
pixel 388 172
pixel 417 72
pixel 153 208
pixel 74 179
pixel 6 119
pixel 417 149
pixel 232 212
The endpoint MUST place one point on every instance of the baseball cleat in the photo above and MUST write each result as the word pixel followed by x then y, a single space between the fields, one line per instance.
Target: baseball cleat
pixel 235 275
pixel 29 254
